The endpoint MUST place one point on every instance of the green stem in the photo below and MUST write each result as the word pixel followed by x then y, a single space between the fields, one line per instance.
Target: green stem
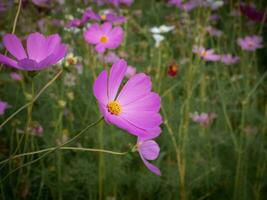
pixel 51 150
pixel 32 101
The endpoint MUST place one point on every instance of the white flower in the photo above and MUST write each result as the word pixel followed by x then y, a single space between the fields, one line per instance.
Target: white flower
pixel 161 29
pixel 158 38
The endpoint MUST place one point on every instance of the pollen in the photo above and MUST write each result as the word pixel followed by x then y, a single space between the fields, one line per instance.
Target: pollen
pixel 203 54
pixel 114 108
pixel 103 17
pixel 103 39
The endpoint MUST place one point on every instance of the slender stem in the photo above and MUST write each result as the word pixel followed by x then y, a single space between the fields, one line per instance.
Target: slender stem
pixel 16 17
pixel 54 148
pixel 32 101
pixel 65 148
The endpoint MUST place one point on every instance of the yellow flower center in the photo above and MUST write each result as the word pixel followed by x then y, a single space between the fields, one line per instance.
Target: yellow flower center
pixel 103 17
pixel 203 54
pixel 103 39
pixel 114 108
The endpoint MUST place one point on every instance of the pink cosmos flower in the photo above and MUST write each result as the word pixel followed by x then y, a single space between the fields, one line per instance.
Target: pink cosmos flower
pixel 214 31
pixel 250 43
pixel 41 51
pixel 107 16
pixel 228 59
pixel 204 119
pixel 104 36
pixel 109 58
pixel 15 76
pixel 206 54
pixel 131 71
pixel 149 150
pixel 3 106
pixel 135 108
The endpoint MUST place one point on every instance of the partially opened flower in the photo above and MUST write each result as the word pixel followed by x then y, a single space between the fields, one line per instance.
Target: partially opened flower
pixel 3 106
pixel 135 108
pixel 229 59
pixel 104 36
pixel 250 43
pixel 15 76
pixel 149 150
pixel 206 54
pixel 42 51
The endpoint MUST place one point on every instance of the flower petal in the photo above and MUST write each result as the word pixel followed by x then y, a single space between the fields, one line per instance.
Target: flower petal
pixel 143 119
pixel 36 46
pixel 14 46
pixel 150 102
pixel 150 166
pixel 8 61
pixel 149 149
pixel 100 88
pixel 117 73
pixel 92 34
pixel 52 42
pixel 137 87
pixel 28 64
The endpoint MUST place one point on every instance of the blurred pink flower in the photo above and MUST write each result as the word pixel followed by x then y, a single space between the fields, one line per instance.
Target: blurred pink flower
pixel 229 59
pixel 149 150
pixel 204 119
pixel 131 71
pixel 250 43
pixel 109 58
pixel 3 106
pixel 206 54
pixel 16 76
pixel 104 36
pixel 42 51
pixel 213 31
pixel 135 108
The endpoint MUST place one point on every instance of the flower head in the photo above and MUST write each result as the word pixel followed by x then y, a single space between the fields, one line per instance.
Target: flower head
pixel 149 150
pixel 250 43
pixel 3 106
pixel 206 54
pixel 131 71
pixel 173 69
pixel 204 119
pixel 104 36
pixel 135 108
pixel 228 59
pixel 41 51
pixel 15 76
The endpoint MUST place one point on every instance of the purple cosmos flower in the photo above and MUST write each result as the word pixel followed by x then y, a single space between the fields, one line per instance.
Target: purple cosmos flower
pixel 107 16
pixel 3 106
pixel 104 36
pixel 74 23
pixel 250 43
pixel 228 59
pixel 214 31
pixel 131 71
pixel 109 58
pixel 15 76
pixel 149 150
pixel 41 3
pixel 206 54
pixel 135 108
pixel 204 119
pixel 41 51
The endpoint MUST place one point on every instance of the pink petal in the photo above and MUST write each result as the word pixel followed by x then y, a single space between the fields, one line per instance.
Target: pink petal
pixel 150 102
pixel 14 46
pixel 115 38
pixel 8 61
pixel 100 88
pixel 28 64
pixel 117 73
pixel 151 167
pixel 36 46
pixel 136 87
pixel 52 42
pixel 149 149
pixel 143 119
pixel 100 48
pixel 106 27
pixel 92 34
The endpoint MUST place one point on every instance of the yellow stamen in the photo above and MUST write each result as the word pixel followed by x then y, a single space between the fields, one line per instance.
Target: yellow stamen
pixel 103 17
pixel 114 108
pixel 203 54
pixel 103 39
